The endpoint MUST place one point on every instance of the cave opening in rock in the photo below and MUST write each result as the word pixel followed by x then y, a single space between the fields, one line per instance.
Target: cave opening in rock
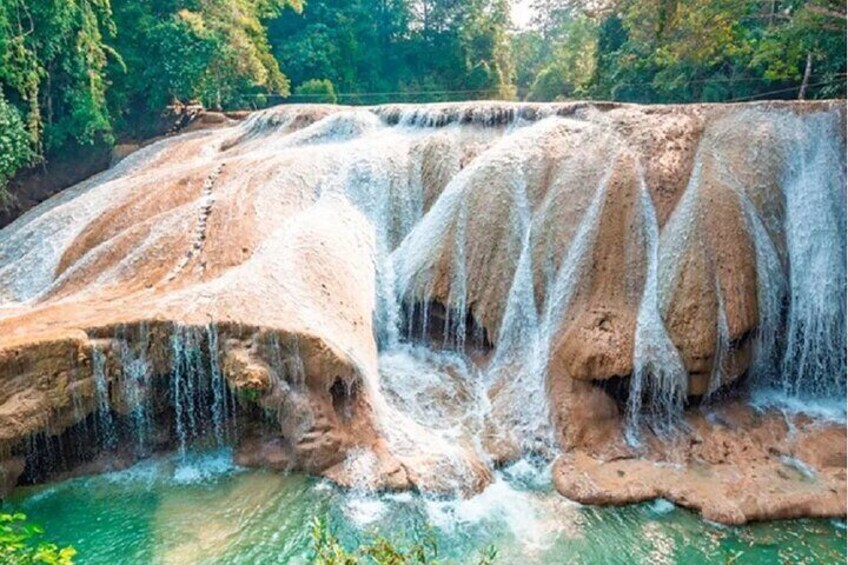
pixel 344 395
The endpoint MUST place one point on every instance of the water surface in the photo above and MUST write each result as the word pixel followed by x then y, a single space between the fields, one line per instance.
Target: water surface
pixel 202 509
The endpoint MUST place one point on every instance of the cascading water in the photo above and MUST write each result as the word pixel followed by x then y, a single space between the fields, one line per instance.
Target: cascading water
pixel 200 397
pixel 814 361
pixel 223 404
pixel 485 228
pixel 106 431
pixel 136 377
pixel 656 362
pixel 771 296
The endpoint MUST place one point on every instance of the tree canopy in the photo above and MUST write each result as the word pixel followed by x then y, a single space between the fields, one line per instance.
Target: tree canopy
pixel 692 51
pixel 408 50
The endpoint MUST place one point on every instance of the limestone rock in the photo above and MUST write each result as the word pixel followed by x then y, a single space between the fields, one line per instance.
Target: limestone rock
pixel 733 467
pixel 556 259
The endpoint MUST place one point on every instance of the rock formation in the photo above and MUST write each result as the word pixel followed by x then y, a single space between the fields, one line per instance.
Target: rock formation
pixel 405 296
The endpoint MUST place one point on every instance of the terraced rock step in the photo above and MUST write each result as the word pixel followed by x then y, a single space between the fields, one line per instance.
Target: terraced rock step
pixel 407 296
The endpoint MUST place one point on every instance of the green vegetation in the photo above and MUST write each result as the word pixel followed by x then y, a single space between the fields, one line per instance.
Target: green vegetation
pixel 675 51
pixel 399 50
pixel 212 51
pixel 76 73
pixel 15 147
pixel 317 92
pixel 327 550
pixel 20 544
pixel 81 72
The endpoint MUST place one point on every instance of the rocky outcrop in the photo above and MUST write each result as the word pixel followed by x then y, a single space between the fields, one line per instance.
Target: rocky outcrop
pixel 733 465
pixel 572 271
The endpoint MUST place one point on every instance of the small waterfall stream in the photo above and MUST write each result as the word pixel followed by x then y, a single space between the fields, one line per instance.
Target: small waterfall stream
pixel 657 365
pixel 106 432
pixel 814 354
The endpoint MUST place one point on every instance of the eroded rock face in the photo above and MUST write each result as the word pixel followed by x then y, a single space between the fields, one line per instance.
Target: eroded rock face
pixel 404 296
pixel 733 466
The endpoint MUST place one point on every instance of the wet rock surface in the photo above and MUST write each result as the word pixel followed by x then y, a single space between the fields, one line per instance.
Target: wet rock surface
pixel 733 464
pixel 406 296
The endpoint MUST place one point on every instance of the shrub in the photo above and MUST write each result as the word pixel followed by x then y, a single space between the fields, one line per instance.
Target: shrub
pixel 317 91
pixel 15 147
pixel 327 550
pixel 20 544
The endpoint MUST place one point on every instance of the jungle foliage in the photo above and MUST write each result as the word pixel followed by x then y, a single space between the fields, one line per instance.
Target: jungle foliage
pixel 654 51
pixel 75 73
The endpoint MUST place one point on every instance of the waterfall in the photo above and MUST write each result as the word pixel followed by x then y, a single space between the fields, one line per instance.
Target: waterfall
pixel 136 383
pixel 657 365
pixel 771 296
pixel 520 325
pixel 526 400
pixel 106 432
pixel 223 404
pixel 479 235
pixel 200 396
pixel 457 304
pixel 814 362
pixel 183 376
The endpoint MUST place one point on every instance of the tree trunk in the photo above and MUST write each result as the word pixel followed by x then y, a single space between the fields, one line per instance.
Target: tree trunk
pixel 806 81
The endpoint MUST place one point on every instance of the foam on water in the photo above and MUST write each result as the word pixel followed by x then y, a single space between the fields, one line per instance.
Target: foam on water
pixel 204 467
pixel 661 507
pixel 145 473
pixel 825 409
pixel 147 514
pixel 533 518
pixel 364 510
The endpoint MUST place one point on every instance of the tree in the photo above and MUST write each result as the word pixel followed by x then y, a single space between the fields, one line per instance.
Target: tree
pixel 15 147
pixel 78 72
pixel 412 50
pixel 213 51
pixel 53 57
pixel 805 38
pixel 719 50
pixel 359 45
pixel 564 63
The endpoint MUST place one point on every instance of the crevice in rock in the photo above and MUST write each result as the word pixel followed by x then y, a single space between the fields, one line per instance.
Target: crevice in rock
pixel 439 326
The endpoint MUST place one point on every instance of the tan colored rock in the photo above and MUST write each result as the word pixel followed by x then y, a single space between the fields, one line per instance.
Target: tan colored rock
pixel 10 469
pixel 279 233
pixel 597 335
pixel 735 466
